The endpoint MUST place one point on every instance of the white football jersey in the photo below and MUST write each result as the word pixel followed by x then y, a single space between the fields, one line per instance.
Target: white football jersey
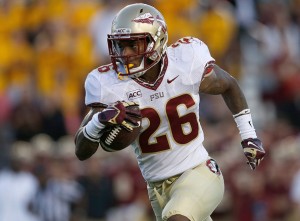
pixel 171 138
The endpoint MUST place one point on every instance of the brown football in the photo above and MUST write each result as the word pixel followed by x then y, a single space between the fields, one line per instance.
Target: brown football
pixel 117 138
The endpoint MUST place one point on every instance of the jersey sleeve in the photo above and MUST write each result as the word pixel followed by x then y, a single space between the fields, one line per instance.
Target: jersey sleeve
pixel 92 89
pixel 202 63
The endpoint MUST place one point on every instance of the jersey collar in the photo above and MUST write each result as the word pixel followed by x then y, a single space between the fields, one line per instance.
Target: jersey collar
pixel 155 85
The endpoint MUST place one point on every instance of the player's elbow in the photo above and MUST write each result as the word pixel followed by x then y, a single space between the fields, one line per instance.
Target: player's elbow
pixel 81 157
pixel 83 154
pixel 79 154
pixel 84 149
pixel 230 85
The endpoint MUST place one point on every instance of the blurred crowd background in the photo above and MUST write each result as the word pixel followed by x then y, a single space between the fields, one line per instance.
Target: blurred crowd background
pixel 47 47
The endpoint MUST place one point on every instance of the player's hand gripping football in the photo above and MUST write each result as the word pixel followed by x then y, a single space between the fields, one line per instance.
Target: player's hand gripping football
pixel 254 151
pixel 126 114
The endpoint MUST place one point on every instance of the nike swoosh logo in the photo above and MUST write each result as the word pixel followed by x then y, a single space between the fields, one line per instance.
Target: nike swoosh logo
pixel 170 81
pixel 249 142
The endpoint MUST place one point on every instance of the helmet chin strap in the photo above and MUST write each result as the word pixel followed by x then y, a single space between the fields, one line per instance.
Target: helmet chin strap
pixel 137 69
pixel 123 69
pixel 140 69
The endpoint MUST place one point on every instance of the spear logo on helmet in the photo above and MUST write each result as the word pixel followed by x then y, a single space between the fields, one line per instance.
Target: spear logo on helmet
pixel 145 18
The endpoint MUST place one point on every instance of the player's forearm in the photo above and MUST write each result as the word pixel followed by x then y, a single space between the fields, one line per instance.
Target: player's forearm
pixel 234 97
pixel 85 148
pixel 236 102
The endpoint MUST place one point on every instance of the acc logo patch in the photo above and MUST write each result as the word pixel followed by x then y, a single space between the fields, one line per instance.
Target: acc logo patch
pixel 213 166
pixel 131 95
pixel 122 31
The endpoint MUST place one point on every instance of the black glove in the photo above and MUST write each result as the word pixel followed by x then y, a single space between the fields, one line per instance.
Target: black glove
pixel 126 114
pixel 254 151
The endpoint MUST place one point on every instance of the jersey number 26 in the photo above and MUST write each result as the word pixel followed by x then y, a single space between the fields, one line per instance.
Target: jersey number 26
pixel 176 124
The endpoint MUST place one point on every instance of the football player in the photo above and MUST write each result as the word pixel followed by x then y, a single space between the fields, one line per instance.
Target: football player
pixel 184 183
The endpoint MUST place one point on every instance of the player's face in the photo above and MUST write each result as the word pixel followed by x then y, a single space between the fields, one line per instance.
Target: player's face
pixel 131 49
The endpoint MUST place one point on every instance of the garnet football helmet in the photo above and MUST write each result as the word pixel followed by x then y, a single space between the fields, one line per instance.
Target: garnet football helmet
pixel 137 22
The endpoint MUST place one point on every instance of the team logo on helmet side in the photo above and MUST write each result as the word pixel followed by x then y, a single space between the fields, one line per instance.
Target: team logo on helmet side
pixel 145 18
pixel 162 23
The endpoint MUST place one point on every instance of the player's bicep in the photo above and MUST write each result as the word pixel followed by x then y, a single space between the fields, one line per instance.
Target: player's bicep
pixel 217 81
